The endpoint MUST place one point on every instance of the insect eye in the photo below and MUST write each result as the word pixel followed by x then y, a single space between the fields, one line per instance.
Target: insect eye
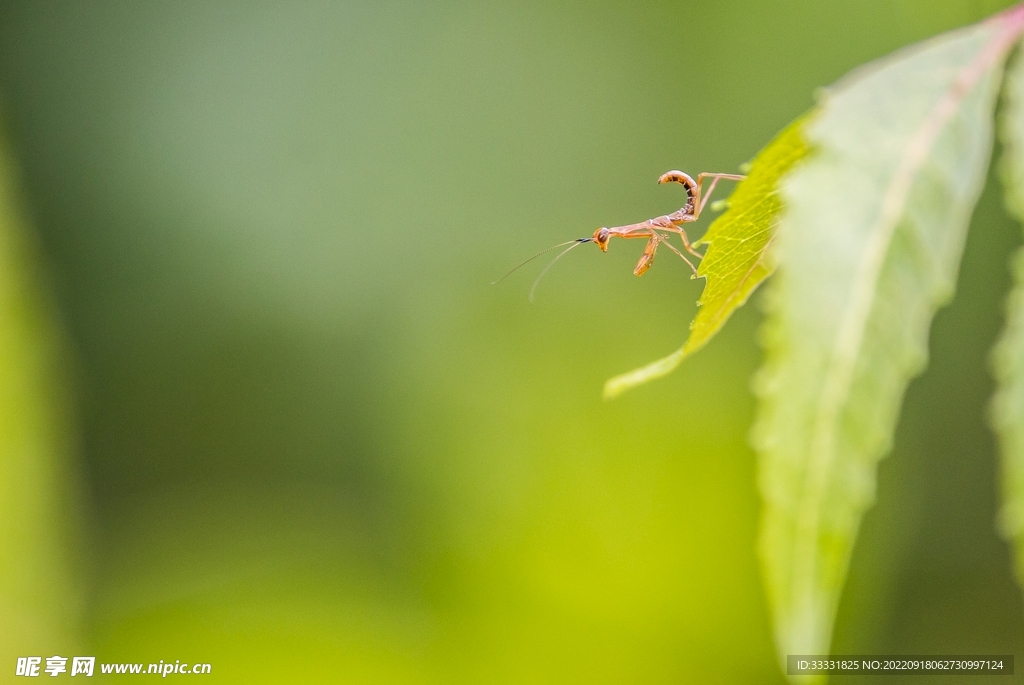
pixel 602 236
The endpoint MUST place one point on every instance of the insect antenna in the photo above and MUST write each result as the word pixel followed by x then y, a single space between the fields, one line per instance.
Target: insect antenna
pixel 575 243
pixel 527 261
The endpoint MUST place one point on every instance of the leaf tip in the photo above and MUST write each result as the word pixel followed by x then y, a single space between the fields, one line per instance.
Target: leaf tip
pixel 619 384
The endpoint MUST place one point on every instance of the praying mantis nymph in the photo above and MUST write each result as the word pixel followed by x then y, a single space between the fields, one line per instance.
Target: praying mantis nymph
pixel 656 230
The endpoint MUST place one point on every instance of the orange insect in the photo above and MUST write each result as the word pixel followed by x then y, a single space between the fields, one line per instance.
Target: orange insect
pixel 653 230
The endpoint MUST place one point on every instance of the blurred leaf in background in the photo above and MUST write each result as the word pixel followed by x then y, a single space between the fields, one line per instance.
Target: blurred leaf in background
pixel 320 447
pixel 41 514
pixel 869 248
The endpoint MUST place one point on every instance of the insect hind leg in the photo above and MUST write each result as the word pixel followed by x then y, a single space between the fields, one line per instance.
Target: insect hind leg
pixel 711 188
pixel 681 255
pixel 666 224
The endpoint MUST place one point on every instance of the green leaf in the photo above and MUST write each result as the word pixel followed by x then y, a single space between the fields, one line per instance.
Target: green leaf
pixel 737 260
pixel 868 248
pixel 1008 357
pixel 38 599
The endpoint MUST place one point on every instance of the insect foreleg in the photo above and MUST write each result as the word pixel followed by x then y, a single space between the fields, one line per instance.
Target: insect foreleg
pixel 647 258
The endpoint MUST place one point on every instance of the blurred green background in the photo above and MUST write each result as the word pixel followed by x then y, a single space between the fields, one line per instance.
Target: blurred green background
pixel 311 443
